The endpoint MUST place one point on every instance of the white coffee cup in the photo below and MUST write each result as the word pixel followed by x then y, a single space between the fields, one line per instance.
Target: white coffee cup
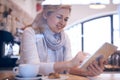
pixel 26 70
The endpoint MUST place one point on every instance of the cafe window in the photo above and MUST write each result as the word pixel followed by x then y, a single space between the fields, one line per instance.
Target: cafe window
pixel 95 33
pixel 74 34
pixel 89 35
pixel 116 27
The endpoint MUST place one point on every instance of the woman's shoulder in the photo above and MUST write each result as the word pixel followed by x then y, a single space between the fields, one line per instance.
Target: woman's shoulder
pixel 28 29
pixel 31 30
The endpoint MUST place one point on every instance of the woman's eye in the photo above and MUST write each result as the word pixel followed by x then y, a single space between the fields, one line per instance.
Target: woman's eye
pixel 65 19
pixel 59 17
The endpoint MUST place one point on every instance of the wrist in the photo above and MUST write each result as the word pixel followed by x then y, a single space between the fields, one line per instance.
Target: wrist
pixel 62 66
pixel 68 64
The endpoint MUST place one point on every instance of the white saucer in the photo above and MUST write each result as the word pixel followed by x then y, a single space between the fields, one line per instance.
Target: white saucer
pixel 62 77
pixel 33 78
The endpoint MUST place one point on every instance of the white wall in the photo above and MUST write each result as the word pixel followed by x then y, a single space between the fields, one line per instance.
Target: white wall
pixel 83 12
pixel 119 14
pixel 79 12
pixel 28 5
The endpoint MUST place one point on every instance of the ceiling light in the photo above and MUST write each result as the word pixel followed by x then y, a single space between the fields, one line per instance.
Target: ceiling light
pixel 96 6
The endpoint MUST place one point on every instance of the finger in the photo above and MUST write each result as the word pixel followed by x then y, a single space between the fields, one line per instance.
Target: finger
pixel 101 64
pixel 81 56
pixel 94 67
pixel 98 68
pixel 91 72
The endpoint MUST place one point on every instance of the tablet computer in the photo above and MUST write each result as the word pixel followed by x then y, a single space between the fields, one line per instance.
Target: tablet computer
pixel 104 51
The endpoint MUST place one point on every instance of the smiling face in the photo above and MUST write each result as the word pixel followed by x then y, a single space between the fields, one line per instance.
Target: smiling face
pixel 57 20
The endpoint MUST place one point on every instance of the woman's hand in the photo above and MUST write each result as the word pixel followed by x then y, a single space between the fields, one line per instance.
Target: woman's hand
pixel 76 61
pixel 67 65
pixel 94 69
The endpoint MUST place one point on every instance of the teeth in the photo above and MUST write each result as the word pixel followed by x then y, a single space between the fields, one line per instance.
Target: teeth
pixel 60 27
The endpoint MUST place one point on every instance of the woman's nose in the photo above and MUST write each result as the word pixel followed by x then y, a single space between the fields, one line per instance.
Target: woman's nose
pixel 63 23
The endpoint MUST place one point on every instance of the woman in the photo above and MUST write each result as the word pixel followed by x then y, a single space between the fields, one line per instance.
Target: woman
pixel 46 44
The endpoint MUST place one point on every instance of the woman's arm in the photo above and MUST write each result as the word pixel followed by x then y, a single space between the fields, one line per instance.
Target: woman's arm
pixel 29 53
pixel 93 69
pixel 67 65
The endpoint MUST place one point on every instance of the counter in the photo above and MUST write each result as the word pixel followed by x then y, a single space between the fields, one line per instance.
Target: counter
pixel 107 76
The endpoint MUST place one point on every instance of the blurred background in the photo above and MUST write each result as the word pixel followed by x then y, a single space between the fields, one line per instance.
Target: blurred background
pixel 92 23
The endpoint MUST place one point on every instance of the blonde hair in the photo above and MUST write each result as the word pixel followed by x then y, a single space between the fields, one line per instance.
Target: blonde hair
pixel 39 21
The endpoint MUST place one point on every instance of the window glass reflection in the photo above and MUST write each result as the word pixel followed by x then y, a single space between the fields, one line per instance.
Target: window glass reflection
pixel 96 32
pixel 116 30
pixel 74 34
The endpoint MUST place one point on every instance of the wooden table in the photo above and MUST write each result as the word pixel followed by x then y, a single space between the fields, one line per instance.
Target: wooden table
pixel 74 77
pixel 107 76
pixel 8 75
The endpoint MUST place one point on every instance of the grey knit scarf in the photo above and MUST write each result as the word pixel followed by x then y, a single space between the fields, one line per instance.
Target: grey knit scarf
pixel 54 41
